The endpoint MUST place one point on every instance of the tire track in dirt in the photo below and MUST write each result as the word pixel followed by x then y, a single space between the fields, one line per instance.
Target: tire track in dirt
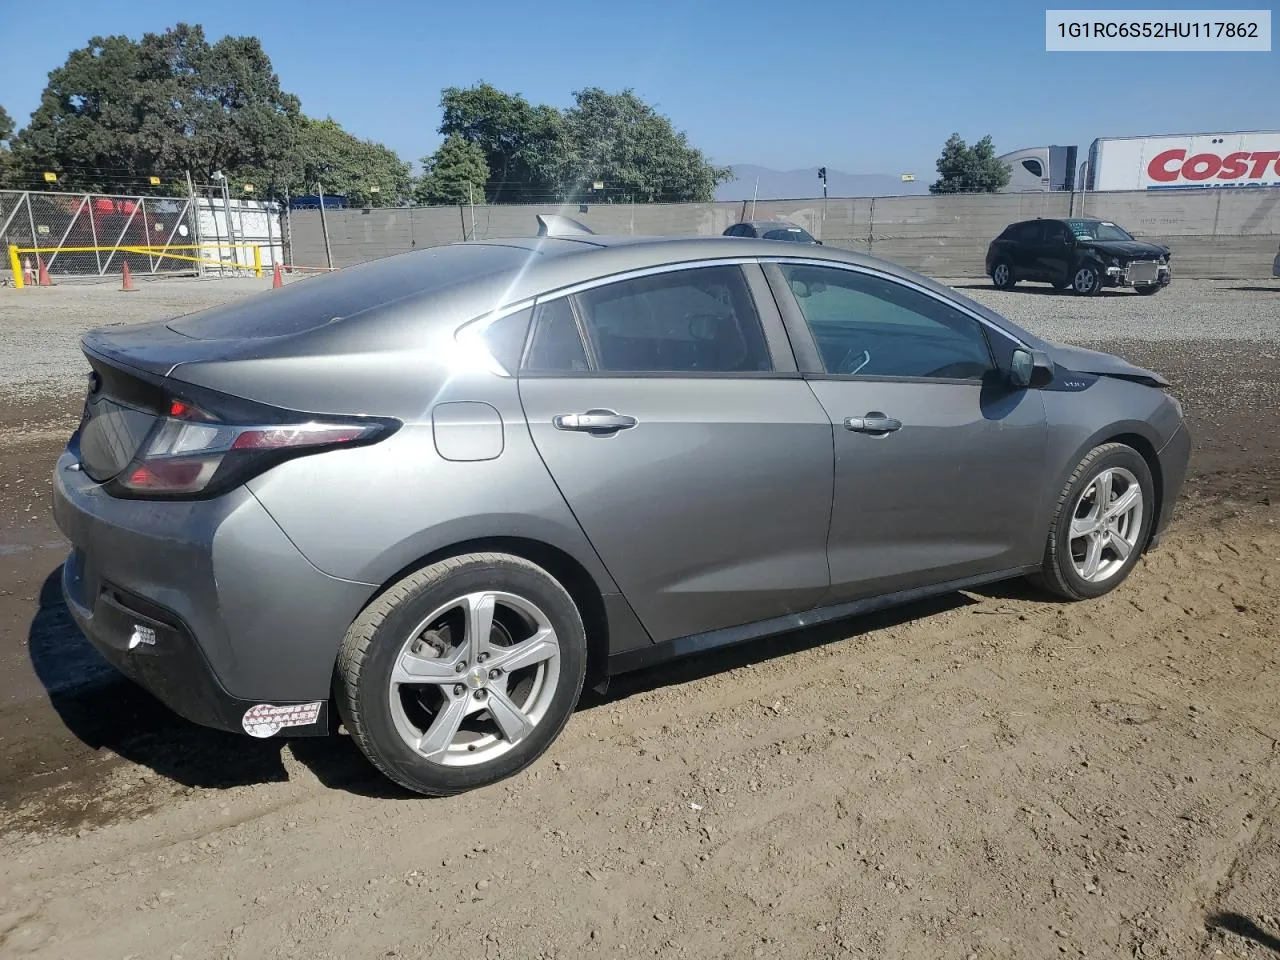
pixel 1007 777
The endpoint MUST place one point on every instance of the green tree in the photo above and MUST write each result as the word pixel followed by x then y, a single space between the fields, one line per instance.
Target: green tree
pixel 620 139
pixel 366 173
pixel 118 111
pixel 966 169
pixel 7 172
pixel 522 144
pixel 455 173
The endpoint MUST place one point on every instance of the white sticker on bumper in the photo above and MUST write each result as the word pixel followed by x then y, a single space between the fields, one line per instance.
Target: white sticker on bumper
pixel 266 720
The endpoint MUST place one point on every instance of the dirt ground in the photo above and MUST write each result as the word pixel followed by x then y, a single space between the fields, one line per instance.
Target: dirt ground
pixel 983 775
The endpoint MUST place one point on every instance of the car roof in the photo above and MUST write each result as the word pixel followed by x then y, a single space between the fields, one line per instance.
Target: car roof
pixel 452 284
pixel 773 223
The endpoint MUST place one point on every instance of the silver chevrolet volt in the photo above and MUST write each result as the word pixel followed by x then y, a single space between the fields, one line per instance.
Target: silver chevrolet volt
pixel 430 497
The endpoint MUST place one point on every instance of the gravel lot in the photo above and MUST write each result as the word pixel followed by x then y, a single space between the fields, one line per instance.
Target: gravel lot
pixel 984 775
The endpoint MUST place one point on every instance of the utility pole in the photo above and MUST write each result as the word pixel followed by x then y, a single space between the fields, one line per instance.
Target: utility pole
pixel 755 194
pixel 822 175
pixel 324 227
pixel 195 222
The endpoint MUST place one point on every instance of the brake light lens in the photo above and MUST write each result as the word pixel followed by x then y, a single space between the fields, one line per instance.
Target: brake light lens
pixel 190 453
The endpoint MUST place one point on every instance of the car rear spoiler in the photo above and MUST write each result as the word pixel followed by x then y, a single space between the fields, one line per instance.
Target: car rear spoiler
pixel 554 225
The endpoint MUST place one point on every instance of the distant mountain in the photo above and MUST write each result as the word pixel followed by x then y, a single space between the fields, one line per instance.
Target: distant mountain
pixel 794 184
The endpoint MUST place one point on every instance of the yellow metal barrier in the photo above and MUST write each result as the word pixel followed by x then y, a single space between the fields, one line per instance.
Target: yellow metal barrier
pixel 159 253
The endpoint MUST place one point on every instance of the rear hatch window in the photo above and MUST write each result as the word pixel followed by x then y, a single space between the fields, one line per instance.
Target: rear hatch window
pixel 315 302
pixel 118 415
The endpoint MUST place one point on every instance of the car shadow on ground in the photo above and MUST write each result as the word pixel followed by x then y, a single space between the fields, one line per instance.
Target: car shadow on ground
pixel 1245 928
pixel 1040 289
pixel 105 711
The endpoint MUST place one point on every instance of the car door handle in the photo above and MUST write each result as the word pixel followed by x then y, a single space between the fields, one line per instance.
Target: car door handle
pixel 593 421
pixel 875 422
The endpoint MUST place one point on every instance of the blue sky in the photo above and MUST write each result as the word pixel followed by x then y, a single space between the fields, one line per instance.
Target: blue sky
pixel 860 87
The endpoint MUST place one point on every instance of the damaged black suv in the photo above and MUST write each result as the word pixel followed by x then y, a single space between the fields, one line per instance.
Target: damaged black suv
pixel 1085 255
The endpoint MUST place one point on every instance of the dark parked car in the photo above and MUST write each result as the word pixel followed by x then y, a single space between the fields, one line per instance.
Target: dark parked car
pixel 439 492
pixel 1085 255
pixel 772 230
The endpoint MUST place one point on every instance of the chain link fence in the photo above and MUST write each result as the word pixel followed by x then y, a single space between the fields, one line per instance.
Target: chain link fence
pixel 85 232
pixel 95 235
pixel 1214 233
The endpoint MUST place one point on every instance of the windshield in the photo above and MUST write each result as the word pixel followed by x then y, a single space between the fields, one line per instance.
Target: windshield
pixel 794 234
pixel 1097 230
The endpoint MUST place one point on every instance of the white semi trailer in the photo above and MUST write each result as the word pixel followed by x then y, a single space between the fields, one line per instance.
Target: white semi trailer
pixel 1168 162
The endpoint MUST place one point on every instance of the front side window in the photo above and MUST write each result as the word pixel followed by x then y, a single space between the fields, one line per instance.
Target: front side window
pixel 1097 230
pixel 792 234
pixel 869 325
pixel 692 321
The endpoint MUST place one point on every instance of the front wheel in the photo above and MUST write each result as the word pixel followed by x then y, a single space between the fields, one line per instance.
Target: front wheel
pixel 463 673
pixel 1148 290
pixel 1087 280
pixel 1101 523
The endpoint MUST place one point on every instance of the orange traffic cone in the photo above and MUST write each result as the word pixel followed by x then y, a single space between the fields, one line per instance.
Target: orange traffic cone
pixel 43 273
pixel 128 278
pixel 277 281
pixel 27 278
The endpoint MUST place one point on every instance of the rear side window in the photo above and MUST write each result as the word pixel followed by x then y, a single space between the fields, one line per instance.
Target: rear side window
pixel 1054 231
pixel 693 321
pixel 505 338
pixel 556 346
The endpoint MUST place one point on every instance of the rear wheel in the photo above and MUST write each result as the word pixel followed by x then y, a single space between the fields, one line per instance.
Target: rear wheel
pixel 1002 275
pixel 1100 525
pixel 1087 280
pixel 463 673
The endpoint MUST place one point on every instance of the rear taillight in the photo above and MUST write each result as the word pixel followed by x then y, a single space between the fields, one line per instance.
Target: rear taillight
pixel 192 453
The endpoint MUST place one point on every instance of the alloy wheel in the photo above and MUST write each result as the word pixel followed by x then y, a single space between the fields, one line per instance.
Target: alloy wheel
pixel 1106 524
pixel 475 678
pixel 1084 280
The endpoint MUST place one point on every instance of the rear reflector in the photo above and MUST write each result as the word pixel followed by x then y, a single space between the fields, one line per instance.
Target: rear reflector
pixel 301 435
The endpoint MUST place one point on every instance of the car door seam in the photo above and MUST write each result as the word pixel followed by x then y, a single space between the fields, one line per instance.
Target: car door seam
pixel 831 506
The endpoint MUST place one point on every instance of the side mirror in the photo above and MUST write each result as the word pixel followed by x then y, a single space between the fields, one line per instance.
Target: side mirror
pixel 1030 368
pixel 818 242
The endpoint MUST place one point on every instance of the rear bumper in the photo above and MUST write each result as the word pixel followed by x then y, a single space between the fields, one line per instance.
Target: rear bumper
pixel 206 604
pixel 1173 458
pixel 157 650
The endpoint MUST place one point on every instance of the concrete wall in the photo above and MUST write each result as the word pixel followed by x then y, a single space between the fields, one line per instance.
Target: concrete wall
pixel 1224 233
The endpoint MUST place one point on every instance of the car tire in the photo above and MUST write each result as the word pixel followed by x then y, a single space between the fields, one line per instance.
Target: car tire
pixel 1148 289
pixel 440 713
pixel 1060 285
pixel 1087 280
pixel 1002 275
pixel 1118 533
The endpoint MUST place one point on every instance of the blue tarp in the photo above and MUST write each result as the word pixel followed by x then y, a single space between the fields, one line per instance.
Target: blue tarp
pixel 312 202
